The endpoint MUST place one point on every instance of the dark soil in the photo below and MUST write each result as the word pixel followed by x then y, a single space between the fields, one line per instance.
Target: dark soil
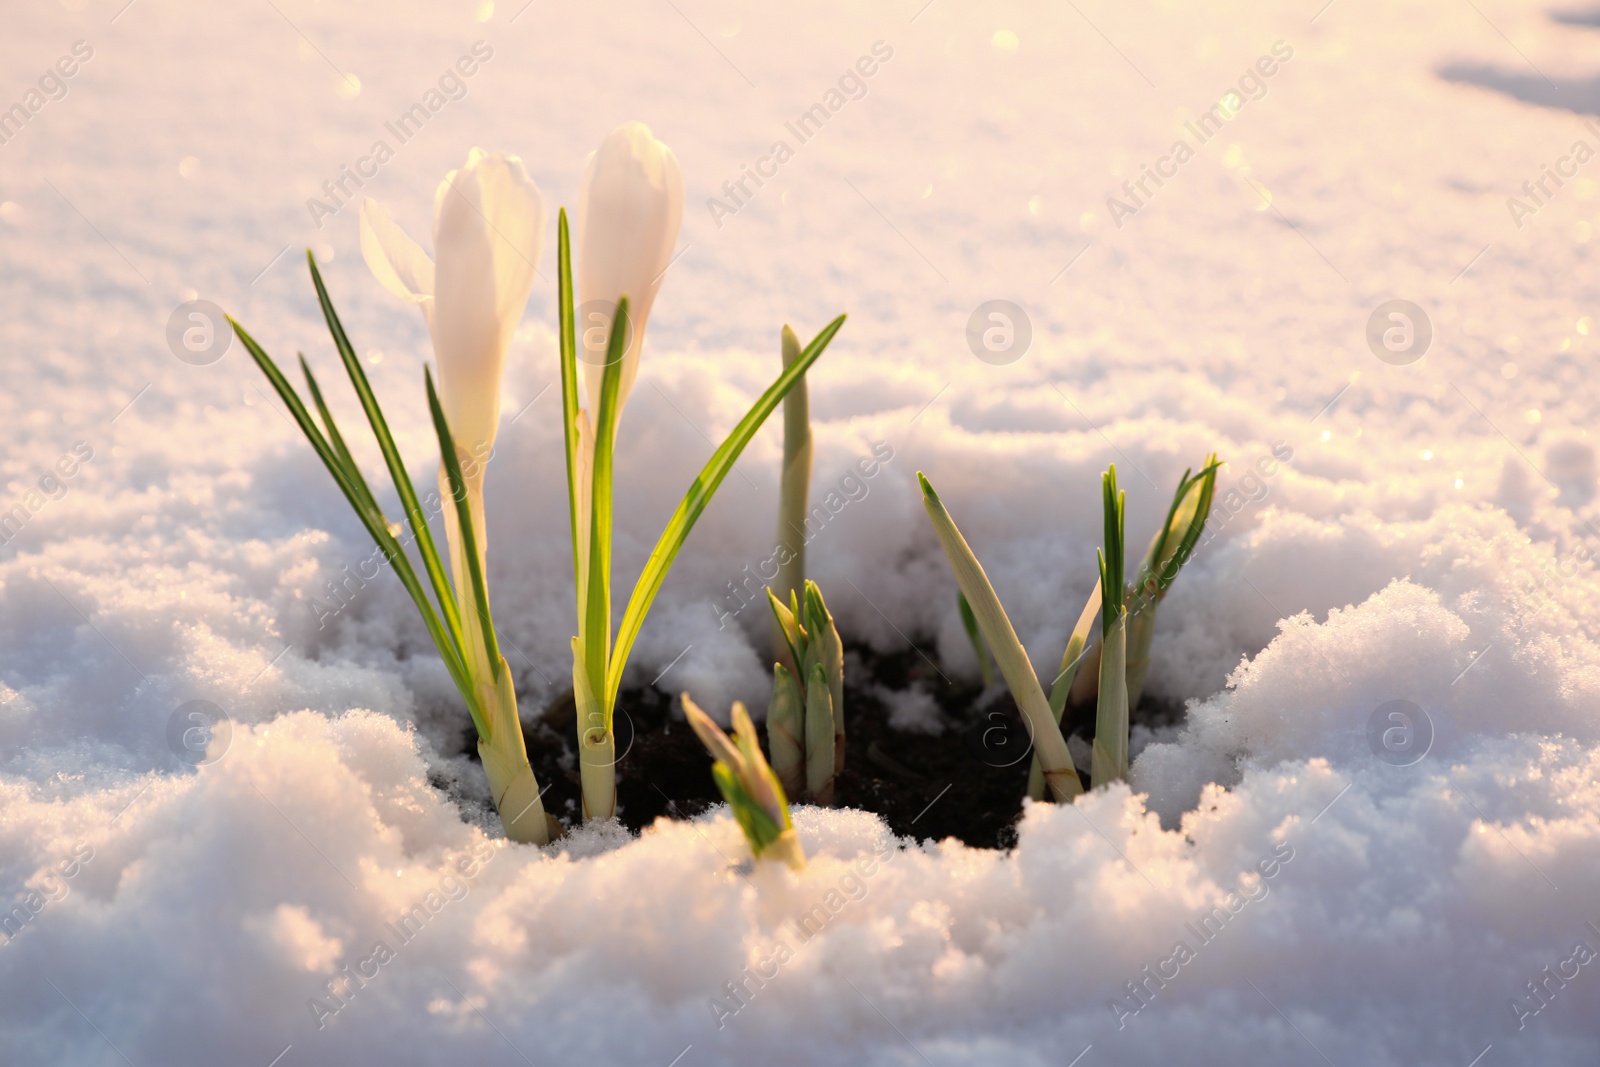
pixel 967 782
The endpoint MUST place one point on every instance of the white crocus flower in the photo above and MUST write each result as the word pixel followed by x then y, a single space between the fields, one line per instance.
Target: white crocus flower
pixel 629 208
pixel 488 231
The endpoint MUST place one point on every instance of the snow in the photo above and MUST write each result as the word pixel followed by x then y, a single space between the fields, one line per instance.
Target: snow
pixel 1419 532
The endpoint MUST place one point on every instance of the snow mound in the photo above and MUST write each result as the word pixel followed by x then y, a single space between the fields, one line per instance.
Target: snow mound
pixel 1374 840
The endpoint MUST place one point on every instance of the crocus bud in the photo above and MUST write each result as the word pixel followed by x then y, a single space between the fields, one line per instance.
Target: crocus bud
pixel 749 785
pixel 629 208
pixel 488 231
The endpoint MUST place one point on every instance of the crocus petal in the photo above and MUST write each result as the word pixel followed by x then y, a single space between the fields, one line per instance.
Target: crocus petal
pixel 488 231
pixel 398 262
pixel 630 206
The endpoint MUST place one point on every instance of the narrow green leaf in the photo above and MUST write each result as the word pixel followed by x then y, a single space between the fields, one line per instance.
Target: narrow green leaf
pixel 789 626
pixel 1112 588
pixel 1048 744
pixel 696 499
pixel 1207 482
pixel 569 390
pixel 1169 551
pixel 597 616
pixel 373 520
pixel 336 439
pixel 969 623
pixel 830 654
pixel 391 458
pixel 469 537
pixel 747 783
pixel 1110 761
pixel 1158 544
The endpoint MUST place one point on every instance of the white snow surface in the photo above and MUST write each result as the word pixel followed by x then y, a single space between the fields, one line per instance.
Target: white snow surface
pixel 1427 541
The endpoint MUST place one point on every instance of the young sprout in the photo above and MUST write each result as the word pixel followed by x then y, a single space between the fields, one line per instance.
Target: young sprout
pixel 805 721
pixel 1050 748
pixel 749 785
pixel 1110 761
pixel 1169 551
pixel 969 622
pixel 793 490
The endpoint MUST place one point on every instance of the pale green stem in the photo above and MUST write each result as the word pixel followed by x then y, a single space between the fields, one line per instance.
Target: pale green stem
pixel 596 743
pixel 505 762
pixel 1071 661
pixel 475 652
pixel 504 754
pixel 597 746
pixel 1141 634
pixel 1110 763
pixel 793 490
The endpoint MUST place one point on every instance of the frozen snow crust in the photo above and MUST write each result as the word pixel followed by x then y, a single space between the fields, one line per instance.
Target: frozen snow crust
pixel 1424 535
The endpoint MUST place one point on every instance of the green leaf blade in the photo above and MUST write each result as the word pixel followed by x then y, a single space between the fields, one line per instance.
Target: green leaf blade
pixel 696 499
pixel 469 537
pixel 597 615
pixel 1049 746
pixel 372 519
pixel 569 389
pixel 417 518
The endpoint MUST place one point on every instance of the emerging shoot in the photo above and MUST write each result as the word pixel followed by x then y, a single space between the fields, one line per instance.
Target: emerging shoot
pixel 1050 748
pixel 805 721
pixel 1169 551
pixel 1110 761
pixel 794 487
pixel 747 783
